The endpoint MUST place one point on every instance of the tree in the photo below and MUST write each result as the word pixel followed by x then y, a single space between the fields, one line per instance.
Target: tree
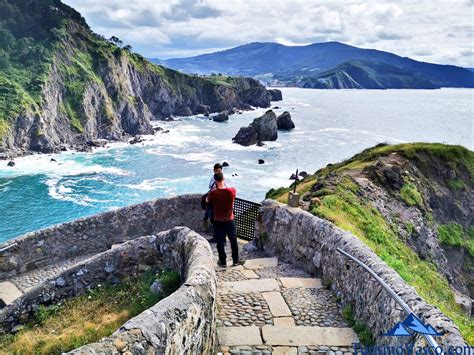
pixel 128 48
pixel 116 41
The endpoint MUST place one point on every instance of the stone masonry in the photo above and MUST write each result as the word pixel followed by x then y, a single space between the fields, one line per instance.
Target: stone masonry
pixel 94 234
pixel 311 242
pixel 183 322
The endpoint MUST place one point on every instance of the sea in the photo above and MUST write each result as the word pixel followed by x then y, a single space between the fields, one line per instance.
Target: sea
pixel 331 125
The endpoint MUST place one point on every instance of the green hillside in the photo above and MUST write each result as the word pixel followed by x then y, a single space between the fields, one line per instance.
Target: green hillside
pixel 411 204
pixel 368 75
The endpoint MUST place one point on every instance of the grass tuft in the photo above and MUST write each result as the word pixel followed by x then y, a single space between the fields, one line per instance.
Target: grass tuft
pixel 410 195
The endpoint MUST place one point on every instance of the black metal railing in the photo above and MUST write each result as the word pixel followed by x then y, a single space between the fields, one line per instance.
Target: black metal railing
pixel 245 215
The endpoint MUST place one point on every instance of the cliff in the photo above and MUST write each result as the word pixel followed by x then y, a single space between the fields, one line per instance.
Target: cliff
pixel 63 86
pixel 412 205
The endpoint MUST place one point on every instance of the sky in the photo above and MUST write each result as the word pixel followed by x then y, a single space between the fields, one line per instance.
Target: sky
pixel 432 31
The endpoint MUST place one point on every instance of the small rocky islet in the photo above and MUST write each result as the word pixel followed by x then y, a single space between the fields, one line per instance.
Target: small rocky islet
pixel 264 128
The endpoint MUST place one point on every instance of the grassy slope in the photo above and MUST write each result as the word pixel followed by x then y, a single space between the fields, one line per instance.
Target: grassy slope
pixel 342 205
pixel 87 318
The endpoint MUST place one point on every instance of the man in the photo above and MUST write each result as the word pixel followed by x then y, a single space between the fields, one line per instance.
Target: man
pixel 208 216
pixel 222 198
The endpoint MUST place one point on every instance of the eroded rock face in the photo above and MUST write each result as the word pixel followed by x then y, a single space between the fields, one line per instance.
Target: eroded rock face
pixel 276 94
pixel 285 122
pixel 221 116
pixel 203 109
pixel 120 103
pixel 266 126
pixel 246 136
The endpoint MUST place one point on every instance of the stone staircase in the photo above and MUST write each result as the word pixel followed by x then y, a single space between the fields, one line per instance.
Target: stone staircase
pixel 17 285
pixel 265 306
pixel 268 306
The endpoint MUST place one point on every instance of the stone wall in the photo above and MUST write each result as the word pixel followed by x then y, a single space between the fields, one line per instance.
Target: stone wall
pixel 98 233
pixel 310 242
pixel 181 323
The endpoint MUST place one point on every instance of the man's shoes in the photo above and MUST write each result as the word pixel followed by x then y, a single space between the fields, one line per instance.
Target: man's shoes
pixel 238 262
pixel 212 240
pixel 221 264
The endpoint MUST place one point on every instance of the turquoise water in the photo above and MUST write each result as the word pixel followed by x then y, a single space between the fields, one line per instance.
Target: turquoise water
pixel 331 126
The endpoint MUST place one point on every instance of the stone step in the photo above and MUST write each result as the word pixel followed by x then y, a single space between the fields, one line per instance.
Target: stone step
pixel 246 286
pixel 277 304
pixel 231 336
pixel 300 282
pixel 262 263
pixel 9 292
pixel 306 336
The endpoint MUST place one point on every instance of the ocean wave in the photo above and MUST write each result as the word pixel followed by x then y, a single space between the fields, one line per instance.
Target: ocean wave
pixel 65 165
pixel 149 184
pixel 202 157
pixel 59 192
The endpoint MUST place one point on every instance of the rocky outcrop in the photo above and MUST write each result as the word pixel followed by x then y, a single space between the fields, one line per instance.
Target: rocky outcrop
pixel 276 94
pixel 284 121
pixel 221 116
pixel 203 109
pixel 96 90
pixel 246 136
pixel 263 128
pixel 266 126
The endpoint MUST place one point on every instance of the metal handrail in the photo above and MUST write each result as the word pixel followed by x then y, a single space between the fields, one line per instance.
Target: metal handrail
pixel 392 293
pixel 8 247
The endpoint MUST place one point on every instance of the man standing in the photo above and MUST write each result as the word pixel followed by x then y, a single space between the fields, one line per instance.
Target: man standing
pixel 222 198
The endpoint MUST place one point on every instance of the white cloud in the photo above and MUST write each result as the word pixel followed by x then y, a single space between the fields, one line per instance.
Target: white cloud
pixel 437 31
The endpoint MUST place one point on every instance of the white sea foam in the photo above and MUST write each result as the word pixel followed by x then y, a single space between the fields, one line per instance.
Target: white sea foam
pixel 149 184
pixel 57 191
pixel 201 157
pixel 66 164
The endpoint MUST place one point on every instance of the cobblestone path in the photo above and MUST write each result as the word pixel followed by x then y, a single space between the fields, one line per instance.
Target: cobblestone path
pixel 268 306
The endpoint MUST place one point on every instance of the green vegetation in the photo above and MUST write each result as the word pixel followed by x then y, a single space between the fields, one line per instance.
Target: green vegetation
pixel 453 234
pixel 456 184
pixel 221 80
pixel 341 203
pixel 410 195
pixel 363 333
pixel 88 318
pixel 29 32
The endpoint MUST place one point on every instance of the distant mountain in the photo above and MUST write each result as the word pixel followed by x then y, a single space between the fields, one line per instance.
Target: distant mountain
pixel 319 63
pixel 367 75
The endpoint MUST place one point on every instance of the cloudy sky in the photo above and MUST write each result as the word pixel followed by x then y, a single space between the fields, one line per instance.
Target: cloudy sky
pixel 434 31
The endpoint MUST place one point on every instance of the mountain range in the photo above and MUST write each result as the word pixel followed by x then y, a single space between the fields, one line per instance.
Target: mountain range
pixel 330 65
